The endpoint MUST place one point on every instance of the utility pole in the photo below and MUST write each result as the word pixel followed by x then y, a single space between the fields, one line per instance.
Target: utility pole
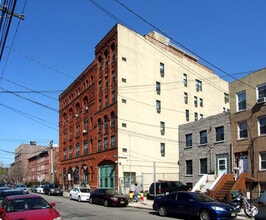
pixel 52 161
pixel 7 13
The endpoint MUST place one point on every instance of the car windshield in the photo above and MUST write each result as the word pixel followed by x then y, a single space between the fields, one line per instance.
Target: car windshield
pixel 204 198
pixel 112 192
pixel 85 190
pixel 24 204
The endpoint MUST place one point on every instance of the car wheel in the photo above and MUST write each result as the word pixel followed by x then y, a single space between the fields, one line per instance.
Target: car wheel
pixel 106 204
pixel 49 193
pixel 204 215
pixel 79 199
pixel 91 200
pixel 162 211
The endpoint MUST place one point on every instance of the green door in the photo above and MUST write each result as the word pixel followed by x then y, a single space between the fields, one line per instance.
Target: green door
pixel 107 176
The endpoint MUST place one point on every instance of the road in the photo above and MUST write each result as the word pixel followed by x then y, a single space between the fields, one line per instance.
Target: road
pixel 74 210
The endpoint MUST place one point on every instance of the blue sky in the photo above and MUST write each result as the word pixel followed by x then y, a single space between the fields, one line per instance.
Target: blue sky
pixel 56 41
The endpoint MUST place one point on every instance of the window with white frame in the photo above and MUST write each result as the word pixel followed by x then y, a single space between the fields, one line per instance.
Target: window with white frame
pixel 262 125
pixel 242 130
pixel 261 91
pixel 201 102
pixel 195 101
pixel 241 101
pixel 263 161
pixel 198 85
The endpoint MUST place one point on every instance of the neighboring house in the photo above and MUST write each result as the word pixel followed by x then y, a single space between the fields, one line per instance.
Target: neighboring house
pixel 119 119
pixel 43 166
pixel 248 109
pixel 19 169
pixel 205 148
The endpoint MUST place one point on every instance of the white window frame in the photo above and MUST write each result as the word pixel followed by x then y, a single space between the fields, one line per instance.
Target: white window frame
pixel 239 129
pixel 259 125
pixel 239 101
pixel 261 160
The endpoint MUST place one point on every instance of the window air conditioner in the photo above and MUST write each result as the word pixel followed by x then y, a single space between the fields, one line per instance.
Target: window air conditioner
pixel 261 100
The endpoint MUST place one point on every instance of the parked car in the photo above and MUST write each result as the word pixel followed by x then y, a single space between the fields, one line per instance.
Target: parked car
pixel 193 205
pixel 40 189
pixel 7 192
pixel 52 189
pixel 164 187
pixel 22 186
pixel 34 188
pixel 80 193
pixel 28 207
pixel 108 197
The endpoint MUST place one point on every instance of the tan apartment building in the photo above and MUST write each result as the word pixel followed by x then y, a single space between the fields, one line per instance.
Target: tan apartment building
pixel 19 169
pixel 119 119
pixel 248 127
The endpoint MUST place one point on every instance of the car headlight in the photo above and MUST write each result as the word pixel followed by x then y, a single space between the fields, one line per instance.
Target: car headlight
pixel 114 198
pixel 217 208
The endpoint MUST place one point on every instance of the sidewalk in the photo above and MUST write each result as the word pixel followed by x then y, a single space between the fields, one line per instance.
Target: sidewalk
pixel 145 204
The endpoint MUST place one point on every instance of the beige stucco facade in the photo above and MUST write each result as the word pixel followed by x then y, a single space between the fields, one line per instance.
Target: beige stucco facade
pixel 139 132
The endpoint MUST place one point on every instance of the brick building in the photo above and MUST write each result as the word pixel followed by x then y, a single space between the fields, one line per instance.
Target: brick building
pixel 119 119
pixel 248 109
pixel 205 148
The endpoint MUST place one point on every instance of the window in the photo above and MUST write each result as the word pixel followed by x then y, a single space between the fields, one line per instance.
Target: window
pixel 106 143
pixel 198 85
pixel 261 91
pixel 203 137
pixel 188 140
pixel 86 148
pixel 187 115
pixel 124 80
pixel 124 59
pixel 70 153
pixel 262 125
pixel 158 88
pixel 219 133
pixel 242 130
pixel 201 102
pixel 162 69
pixel 226 98
pixel 201 116
pixel 195 101
pixel 99 145
pixel 158 106
pixel 189 168
pixel 196 116
pixel 64 155
pixel 124 125
pixel 113 142
pixel 124 101
pixel 162 149
pixel 263 161
pixel 77 150
pixel 70 134
pixel 185 79
pixel 241 101
pixel 77 130
pixel 203 166
pixel 162 127
pixel 185 97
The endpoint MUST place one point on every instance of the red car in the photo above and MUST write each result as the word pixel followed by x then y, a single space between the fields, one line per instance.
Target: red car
pixel 30 206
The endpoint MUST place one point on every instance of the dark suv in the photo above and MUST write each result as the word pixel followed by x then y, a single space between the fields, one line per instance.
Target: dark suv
pixel 164 187
pixel 52 189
